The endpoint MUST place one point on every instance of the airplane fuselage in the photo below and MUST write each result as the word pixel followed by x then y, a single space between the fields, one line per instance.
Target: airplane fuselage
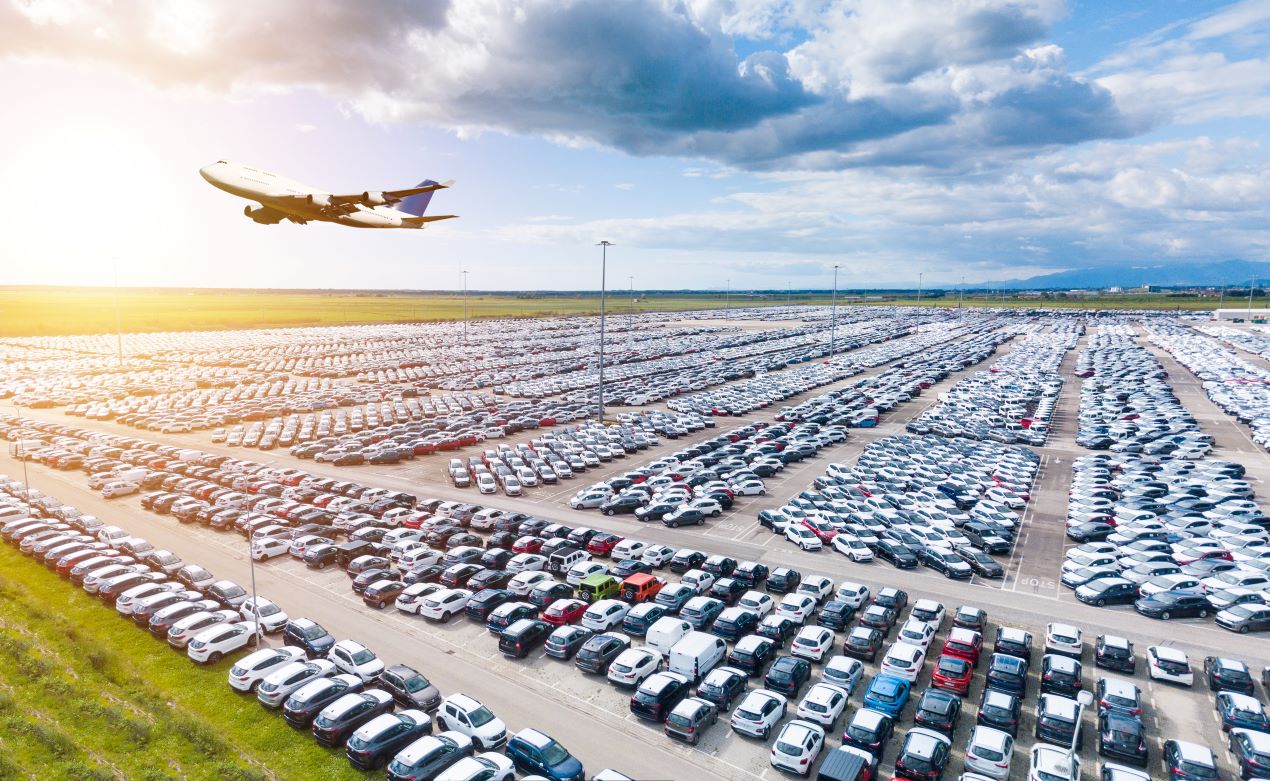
pixel 291 198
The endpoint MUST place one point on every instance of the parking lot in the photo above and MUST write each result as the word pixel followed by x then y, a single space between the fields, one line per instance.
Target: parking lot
pixel 591 717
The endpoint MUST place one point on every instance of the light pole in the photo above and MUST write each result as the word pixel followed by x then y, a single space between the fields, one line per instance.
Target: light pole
pixel 919 289
pixel 961 294
pixel 255 598
pixel 465 305
pixel 1251 288
pixel 604 259
pixel 118 319
pixel 833 317
pixel 727 299
pixel 630 321
pixel 26 484
pixel 1083 700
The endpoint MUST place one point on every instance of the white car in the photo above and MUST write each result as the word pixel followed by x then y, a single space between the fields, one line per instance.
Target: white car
pixel 852 547
pixel 605 614
pixel 410 600
pixel 489 766
pixel 758 713
pixel 130 599
pixel 633 665
pixel 119 488
pixel 526 562
pixel 1051 763
pixel 812 642
pixel 183 631
pixel 1064 639
pixel 797 746
pixel 583 570
pixel 354 658
pixel 524 582
pixel 698 580
pixel 818 586
pixel 1165 663
pixel 757 602
pixel 467 716
pixel 657 555
pixel 749 487
pixel 271 617
pixel 918 633
pixel 797 607
pixel 281 683
pixel 444 605
pixel 250 670
pixel 854 594
pixel 211 645
pixel 823 704
pixel 903 660
pixel 930 611
pixel 989 751
pixel 803 537
pixel 267 548
pixel 628 549
pixel 590 497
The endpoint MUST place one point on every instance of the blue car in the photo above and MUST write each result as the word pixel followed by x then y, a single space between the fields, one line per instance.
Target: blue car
pixel 1240 710
pixel 537 753
pixel 888 694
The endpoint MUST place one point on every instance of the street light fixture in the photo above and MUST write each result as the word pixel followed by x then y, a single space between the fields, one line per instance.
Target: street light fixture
pixel 464 305
pixel 604 258
pixel 1083 700
pixel 833 317
pixel 727 300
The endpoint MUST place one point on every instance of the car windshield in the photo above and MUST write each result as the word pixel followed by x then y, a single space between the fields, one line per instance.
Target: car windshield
pixel 791 749
pixel 554 754
pixel 678 720
pixel 480 717
pixel 1197 769
pixel 416 683
pixel 363 656
pixel 990 754
pixel 1044 776
pixel 861 734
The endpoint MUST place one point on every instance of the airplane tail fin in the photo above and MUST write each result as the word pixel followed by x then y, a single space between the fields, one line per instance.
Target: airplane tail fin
pixel 421 221
pixel 417 204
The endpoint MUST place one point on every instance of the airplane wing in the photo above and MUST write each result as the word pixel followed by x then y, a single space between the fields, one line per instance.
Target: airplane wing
pixel 382 198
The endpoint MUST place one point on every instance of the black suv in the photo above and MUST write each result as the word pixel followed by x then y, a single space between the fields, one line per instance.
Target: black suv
pixel 309 635
pixel 787 675
pixel 597 653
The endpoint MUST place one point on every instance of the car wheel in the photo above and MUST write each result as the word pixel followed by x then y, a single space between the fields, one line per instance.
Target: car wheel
pixel 1243 630
pixel 1203 614
pixel 1165 616
pixel 608 512
pixel 214 657
pixel 766 731
pixel 763 492
pixel 1101 603
pixel 445 618
pixel 715 514
pixel 674 524
pixel 701 522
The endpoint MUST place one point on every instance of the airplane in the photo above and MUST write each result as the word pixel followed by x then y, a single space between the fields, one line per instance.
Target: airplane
pixel 283 199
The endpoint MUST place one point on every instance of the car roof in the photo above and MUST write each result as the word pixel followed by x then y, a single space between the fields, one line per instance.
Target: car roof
pixel 1193 752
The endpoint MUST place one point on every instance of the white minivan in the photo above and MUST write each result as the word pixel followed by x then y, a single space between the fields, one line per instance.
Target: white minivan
pixel 665 632
pixel 696 654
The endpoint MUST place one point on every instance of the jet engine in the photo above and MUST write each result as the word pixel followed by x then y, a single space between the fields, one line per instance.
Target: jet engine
pixel 374 199
pixel 261 215
pixel 319 200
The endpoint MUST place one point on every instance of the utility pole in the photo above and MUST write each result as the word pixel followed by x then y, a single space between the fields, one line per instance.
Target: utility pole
pixel 833 317
pixel 1221 297
pixel 961 294
pixel 1251 288
pixel 464 305
pixel 919 288
pixel 26 482
pixel 604 259
pixel 727 300
pixel 787 293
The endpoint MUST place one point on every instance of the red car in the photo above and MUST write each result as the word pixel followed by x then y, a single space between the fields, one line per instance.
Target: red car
pixel 952 673
pixel 564 611
pixel 1193 555
pixel 602 544
pixel 528 544
pixel 823 531
pixel 964 644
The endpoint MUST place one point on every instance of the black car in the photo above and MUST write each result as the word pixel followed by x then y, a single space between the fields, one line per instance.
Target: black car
pixel 566 641
pixel 483 602
pixel 1182 765
pixel 1060 675
pixel 835 615
pixel 1227 675
pixel 489 579
pixel 363 581
pixel 879 617
pixel 750 573
pixel 1056 721
pixel 1091 531
pixel 598 652
pixel 938 710
pixel 686 560
pixel 870 731
pixel 1173 604
pixel 721 687
pixel 1115 653
pixel 727 590
pixel 999 710
pixel 300 711
pixel 1108 591
pixel 863 643
pixel 896 553
pixel 627 567
pixel 968 617
pixel 783 580
pixel 503 540
pixel 321 556
pixel 1007 673
pixel 894 598
pixel 1122 736
pixel 778 629
pixel 517 640
pixel 1014 642
pixel 658 695
pixel 1252 756
pixel 309 635
pixel 409 687
pixel 751 656
pixel 495 558
pixel 333 729
pixel 733 624
pixel 370 749
pixel 428 573
pixel 787 675
pixel 981 563
pixel 626 503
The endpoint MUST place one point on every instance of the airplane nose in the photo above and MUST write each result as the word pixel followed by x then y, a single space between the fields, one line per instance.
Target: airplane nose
pixel 206 173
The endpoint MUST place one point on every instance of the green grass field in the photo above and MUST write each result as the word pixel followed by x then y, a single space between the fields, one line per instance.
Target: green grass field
pixel 45 311
pixel 86 695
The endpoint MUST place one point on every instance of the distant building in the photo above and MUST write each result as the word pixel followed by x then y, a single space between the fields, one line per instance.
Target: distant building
pixel 1115 290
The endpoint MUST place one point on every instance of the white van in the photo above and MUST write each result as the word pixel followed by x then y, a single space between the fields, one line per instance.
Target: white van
pixel 665 632
pixel 696 654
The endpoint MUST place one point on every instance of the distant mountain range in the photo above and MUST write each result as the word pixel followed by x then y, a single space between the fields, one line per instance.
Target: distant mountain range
pixel 1232 273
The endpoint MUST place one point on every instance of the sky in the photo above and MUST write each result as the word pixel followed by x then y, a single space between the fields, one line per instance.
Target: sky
pixel 755 144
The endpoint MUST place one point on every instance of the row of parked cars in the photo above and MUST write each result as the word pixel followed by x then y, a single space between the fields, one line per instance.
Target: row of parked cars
pixel 1011 402
pixel 947 504
pixel 1235 384
pixel 382 716
pixel 1175 538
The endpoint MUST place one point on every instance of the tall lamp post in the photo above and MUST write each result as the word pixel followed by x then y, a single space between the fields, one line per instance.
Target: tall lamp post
pixel 727 299
pixel 118 318
pixel 26 483
pixel 1251 288
pixel 961 294
pixel 1083 700
pixel 630 321
pixel 833 317
pixel 604 259
pixel 919 288
pixel 464 305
